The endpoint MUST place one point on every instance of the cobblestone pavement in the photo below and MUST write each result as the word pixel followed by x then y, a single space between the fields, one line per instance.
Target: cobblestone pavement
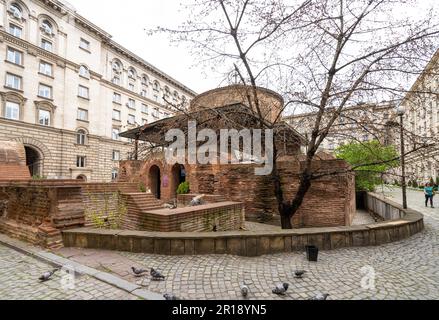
pixel 404 270
pixel 19 275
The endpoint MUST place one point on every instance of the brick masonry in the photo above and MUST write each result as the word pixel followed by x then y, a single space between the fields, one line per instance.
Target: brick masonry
pixel 250 244
pixel 329 203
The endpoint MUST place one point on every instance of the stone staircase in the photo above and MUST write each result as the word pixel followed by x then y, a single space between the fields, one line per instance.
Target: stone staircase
pixel 137 203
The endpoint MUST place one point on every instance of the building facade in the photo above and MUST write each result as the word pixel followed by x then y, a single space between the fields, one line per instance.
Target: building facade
pixel 358 123
pixel 421 118
pixel 68 91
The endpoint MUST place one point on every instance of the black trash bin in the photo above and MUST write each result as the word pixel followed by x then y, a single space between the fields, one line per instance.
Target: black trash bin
pixel 312 253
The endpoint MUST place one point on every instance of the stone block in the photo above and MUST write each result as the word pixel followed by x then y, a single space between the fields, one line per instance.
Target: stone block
pixel 189 247
pixel 220 246
pixel 177 247
pixel 338 240
pixel 205 246
pixel 277 244
pixel 263 246
pixel 234 246
pixel 162 246
pixel 124 243
pixel 251 247
pixel 107 242
pixel 288 244
pixel 296 243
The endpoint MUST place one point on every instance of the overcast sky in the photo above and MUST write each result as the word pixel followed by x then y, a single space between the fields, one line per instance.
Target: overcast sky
pixel 126 20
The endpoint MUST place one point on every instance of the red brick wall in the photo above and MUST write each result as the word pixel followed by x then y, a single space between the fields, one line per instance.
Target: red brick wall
pixel 329 202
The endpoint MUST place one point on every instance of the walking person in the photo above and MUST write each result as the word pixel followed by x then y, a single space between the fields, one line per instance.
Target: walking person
pixel 429 194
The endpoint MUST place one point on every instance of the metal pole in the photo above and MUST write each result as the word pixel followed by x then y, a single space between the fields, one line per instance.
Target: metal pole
pixel 404 186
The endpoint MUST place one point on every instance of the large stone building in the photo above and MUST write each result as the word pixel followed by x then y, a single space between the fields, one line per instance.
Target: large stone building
pixel 69 89
pixel 422 119
pixel 359 123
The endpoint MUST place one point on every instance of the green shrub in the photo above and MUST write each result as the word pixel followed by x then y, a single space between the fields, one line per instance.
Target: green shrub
pixel 183 188
pixel 142 187
pixel 415 184
pixel 38 177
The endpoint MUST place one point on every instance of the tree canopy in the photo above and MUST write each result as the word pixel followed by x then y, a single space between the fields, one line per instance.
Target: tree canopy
pixel 369 160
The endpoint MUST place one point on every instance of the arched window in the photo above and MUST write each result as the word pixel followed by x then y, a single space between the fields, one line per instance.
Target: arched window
pixel 145 81
pixel 47 27
pixel 16 11
pixel 132 73
pixel 116 72
pixel 84 72
pixel 81 137
pixel 156 86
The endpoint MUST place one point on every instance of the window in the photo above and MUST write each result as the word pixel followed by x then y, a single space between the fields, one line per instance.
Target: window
pixel 132 74
pixel 115 134
pixel 144 121
pixel 12 110
pixel 46 68
pixel 144 108
pixel 16 11
pixel 131 119
pixel 16 31
pixel 14 56
pixel 45 91
pixel 117 98
pixel 116 115
pixel 84 44
pixel 80 161
pixel 116 155
pixel 131 104
pixel 131 86
pixel 156 86
pixel 80 137
pixel 116 80
pixel 46 45
pixel 13 81
pixel 145 81
pixel 82 114
pixel 47 28
pixel 144 93
pixel 84 72
pixel 83 92
pixel 114 174
pixel 44 117
pixel 156 113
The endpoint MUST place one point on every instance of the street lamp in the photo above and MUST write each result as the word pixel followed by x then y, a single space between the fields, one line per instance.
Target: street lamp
pixel 400 111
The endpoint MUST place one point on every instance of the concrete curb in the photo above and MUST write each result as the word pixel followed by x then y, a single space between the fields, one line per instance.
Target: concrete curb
pixel 59 262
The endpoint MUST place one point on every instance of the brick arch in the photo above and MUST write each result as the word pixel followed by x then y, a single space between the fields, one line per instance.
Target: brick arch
pixel 31 142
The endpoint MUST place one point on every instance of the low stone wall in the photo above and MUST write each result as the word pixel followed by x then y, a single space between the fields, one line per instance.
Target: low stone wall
pixel 248 243
pixel 385 208
pixel 224 216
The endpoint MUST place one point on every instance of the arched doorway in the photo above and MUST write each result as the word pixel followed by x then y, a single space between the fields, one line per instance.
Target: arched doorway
pixel 178 177
pixel 155 181
pixel 82 178
pixel 33 161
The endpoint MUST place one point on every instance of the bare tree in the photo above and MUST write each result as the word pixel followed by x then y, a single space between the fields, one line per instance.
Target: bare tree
pixel 322 56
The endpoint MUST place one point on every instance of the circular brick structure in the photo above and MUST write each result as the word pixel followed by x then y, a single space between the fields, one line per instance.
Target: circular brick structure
pixel 271 103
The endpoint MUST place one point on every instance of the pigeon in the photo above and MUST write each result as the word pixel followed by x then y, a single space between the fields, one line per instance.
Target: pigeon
pixel 169 296
pixel 156 275
pixel 138 272
pixel 244 290
pixel 281 289
pixel 299 273
pixel 320 297
pixel 47 275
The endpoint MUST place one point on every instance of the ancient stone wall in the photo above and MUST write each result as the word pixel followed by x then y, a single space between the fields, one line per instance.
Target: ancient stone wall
pixel 330 201
pixel 37 211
